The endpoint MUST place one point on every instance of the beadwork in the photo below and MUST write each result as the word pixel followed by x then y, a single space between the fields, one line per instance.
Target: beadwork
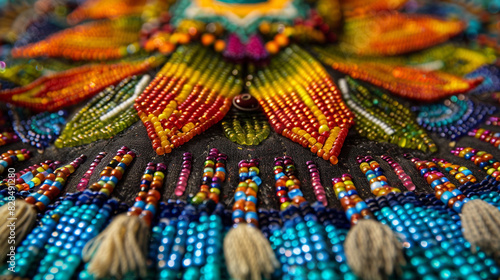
pixel 214 174
pixel 375 176
pixel 84 181
pixel 10 157
pixel 405 178
pixel 382 118
pixel 318 188
pixel 107 114
pixel 182 182
pixel 245 195
pixel 321 124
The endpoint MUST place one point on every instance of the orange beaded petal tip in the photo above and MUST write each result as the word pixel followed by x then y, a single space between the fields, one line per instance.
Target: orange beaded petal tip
pixel 354 8
pixel 395 33
pixel 192 92
pixel 302 103
pixel 101 9
pixel 51 93
pixel 101 40
pixel 403 81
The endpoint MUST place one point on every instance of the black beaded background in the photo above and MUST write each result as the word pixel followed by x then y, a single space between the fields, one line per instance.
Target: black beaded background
pixel 275 145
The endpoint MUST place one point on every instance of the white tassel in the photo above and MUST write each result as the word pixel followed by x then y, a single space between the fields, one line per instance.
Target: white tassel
pixel 373 252
pixel 120 249
pixel 248 254
pixel 481 227
pixel 17 223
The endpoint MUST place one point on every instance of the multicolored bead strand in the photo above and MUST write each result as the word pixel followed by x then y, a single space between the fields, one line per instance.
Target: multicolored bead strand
pixel 66 88
pixel 454 117
pixel 146 203
pixel 53 185
pixel 192 92
pixel 245 195
pixel 180 186
pixel 35 179
pixel 12 156
pixel 84 181
pixel 311 256
pixel 302 103
pixel 28 173
pixel 113 172
pixel 483 159
pixel 375 176
pixel 287 185
pixel 214 174
pixel 403 177
pixel 461 173
pixel 493 120
pixel 136 223
pixel 107 114
pixel 485 135
pixel 318 188
pixel 64 231
pixel 365 229
pixel 71 252
pixel 444 190
pixel 381 118
pixel 355 208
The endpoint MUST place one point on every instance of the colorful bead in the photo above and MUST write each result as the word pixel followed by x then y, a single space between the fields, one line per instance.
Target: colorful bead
pixel 214 175
pixel 375 176
pixel 461 173
pixel 10 157
pixel 245 195
pixel 52 187
pixel 287 185
pixel 66 88
pixel 355 208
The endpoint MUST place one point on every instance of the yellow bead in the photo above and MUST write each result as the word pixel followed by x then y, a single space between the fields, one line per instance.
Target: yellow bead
pixel 323 128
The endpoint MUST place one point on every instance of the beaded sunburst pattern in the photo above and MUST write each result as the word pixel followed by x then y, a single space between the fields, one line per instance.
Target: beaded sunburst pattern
pixel 219 50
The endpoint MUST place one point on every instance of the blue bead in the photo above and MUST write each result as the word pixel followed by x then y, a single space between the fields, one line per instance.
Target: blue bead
pixel 349 212
pixel 44 199
pixel 446 196
pixel 251 215
pixel 257 180
pixel 351 192
pixel 140 204
pixel 238 214
pixel 361 206
pixel 294 193
pixel 435 183
pixel 240 195
pixel 252 199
